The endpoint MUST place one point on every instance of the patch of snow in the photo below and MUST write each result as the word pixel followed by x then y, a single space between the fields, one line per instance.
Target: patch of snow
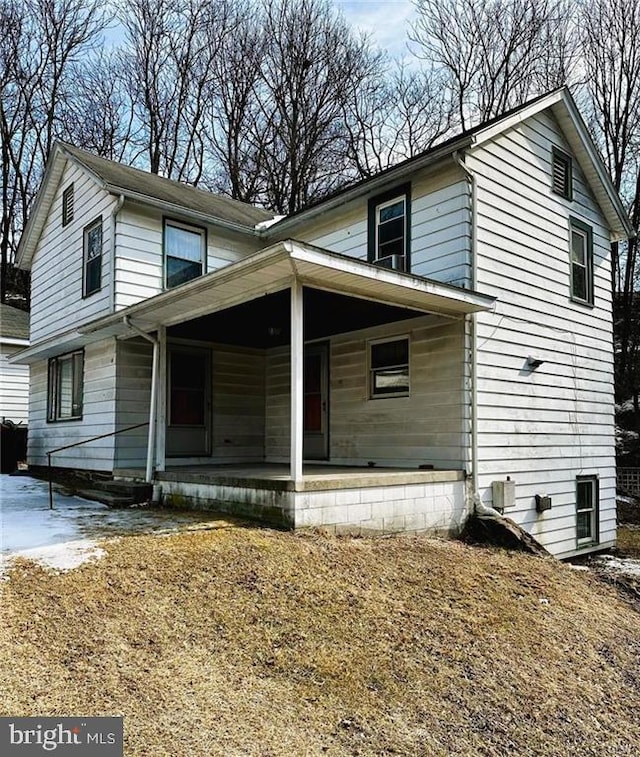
pixel 63 556
pixel 624 565
pixel 626 499
pixel 67 536
pixel 268 223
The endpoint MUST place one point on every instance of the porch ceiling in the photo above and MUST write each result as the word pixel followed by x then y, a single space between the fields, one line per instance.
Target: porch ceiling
pixel 274 269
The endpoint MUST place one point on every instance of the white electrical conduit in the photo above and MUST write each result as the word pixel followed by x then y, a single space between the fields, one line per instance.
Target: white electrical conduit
pixel 155 364
pixel 479 508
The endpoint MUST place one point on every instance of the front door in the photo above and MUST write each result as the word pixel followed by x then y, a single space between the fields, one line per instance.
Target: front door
pixel 188 400
pixel 316 388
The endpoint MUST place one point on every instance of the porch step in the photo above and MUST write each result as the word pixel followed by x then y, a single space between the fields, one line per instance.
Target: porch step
pixel 110 499
pixel 138 491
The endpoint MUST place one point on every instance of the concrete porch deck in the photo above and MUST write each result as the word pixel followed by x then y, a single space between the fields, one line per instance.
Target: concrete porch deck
pixel 381 500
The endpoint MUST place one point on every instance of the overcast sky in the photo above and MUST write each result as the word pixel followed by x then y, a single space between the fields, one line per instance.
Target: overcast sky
pixel 387 21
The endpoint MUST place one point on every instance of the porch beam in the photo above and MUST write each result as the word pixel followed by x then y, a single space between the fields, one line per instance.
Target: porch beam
pixel 297 380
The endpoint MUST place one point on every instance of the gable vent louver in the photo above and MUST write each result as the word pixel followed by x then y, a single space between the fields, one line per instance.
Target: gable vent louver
pixel 561 174
pixel 67 205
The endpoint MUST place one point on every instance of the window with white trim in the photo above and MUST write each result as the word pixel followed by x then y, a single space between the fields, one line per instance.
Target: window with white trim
pixel 389 368
pixel 389 223
pixel 587 510
pixel 184 252
pixel 581 252
pixel 92 256
pixel 65 387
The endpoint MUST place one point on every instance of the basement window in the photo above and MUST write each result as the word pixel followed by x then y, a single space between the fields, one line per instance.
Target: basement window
pixel 65 387
pixel 587 496
pixel 561 174
pixel 389 368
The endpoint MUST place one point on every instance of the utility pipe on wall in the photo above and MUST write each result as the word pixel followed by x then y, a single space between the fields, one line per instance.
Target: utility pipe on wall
pixel 114 226
pixel 472 324
pixel 151 440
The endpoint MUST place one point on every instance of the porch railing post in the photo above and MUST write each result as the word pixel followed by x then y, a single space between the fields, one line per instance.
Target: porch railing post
pixel 50 482
pixel 297 379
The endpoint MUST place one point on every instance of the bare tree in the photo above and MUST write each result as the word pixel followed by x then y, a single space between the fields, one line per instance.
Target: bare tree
pixel 392 117
pixel 237 111
pixel 496 54
pixel 41 41
pixel 100 118
pixel 168 60
pixel 312 63
pixel 612 61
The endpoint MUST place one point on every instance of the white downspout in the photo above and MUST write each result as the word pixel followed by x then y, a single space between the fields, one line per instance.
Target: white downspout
pixel 479 507
pixel 151 439
pixel 114 225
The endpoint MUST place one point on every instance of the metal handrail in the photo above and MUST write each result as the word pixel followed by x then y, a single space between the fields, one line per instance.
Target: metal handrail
pixel 78 444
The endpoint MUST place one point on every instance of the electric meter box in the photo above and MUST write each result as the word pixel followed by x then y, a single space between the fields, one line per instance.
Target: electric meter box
pixel 504 494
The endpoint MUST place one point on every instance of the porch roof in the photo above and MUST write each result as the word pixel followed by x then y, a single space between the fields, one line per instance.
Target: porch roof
pixel 274 269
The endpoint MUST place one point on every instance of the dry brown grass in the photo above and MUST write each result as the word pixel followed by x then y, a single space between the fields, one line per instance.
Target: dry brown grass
pixel 629 541
pixel 246 641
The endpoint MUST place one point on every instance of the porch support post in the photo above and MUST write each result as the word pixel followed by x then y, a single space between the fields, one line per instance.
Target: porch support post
pixel 161 415
pixel 297 378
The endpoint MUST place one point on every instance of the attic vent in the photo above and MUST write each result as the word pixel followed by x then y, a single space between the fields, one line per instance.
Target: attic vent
pixel 67 205
pixel 562 179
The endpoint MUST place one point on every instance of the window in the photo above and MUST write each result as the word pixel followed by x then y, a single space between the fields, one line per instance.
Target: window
pixel 185 251
pixel 389 368
pixel 561 174
pixel 65 387
pixel 92 257
pixel 587 509
pixel 67 205
pixel 389 224
pixel 581 243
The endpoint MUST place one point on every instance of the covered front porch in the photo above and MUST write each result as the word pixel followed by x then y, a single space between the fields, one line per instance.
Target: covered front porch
pixel 303 388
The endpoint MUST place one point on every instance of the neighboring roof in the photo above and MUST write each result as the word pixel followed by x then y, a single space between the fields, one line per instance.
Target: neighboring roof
pixel 137 186
pixel 568 116
pixel 14 323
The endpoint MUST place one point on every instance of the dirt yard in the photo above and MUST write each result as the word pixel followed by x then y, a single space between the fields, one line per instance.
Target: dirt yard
pixel 248 641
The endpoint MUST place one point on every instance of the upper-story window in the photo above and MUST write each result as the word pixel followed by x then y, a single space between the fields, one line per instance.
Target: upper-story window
pixel 92 256
pixel 185 249
pixel 389 217
pixel 581 252
pixel 67 205
pixel 561 174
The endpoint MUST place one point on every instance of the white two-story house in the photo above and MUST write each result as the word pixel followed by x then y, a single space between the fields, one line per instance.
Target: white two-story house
pixel 437 334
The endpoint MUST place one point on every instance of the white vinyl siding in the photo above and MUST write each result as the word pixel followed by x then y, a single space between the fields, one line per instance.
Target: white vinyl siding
pixel 425 428
pixel 57 287
pixel 237 402
pixel 14 386
pixel 139 257
pixel 440 227
pixel 98 414
pixel 542 428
